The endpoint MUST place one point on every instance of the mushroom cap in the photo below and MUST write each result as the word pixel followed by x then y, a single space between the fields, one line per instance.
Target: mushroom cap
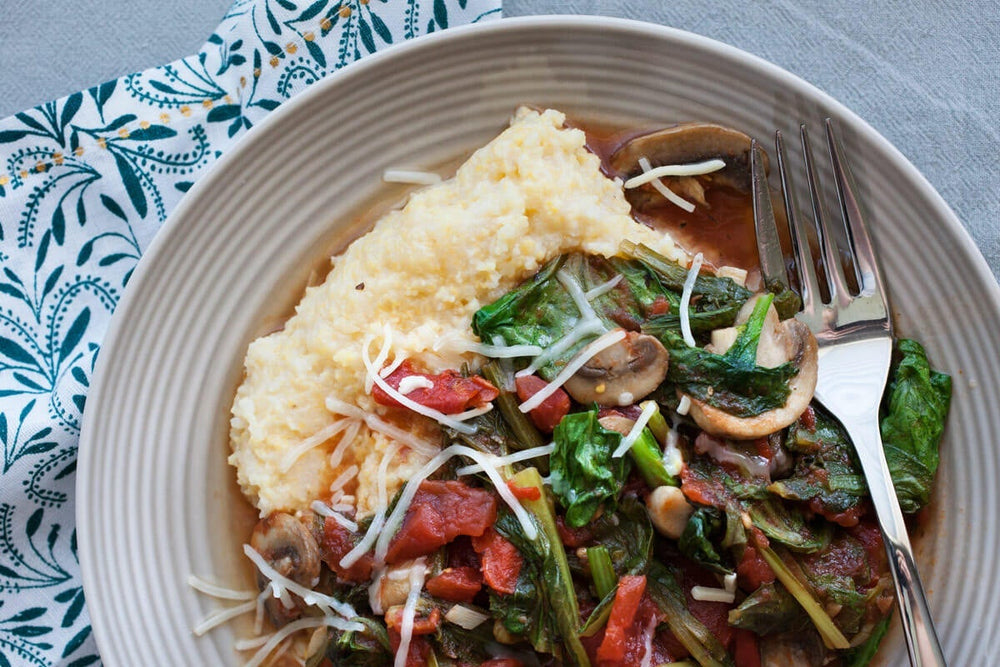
pixel 780 342
pixel 622 373
pixel 290 548
pixel 683 144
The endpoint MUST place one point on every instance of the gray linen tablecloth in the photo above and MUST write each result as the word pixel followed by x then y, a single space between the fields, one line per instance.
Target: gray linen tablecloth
pixel 924 73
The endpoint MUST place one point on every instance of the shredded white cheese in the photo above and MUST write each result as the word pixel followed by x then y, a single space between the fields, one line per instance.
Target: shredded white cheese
pixel 295 626
pixel 691 169
pixel 648 410
pixel 497 461
pixel 441 418
pixel 219 592
pixel 603 288
pixel 684 405
pixel 411 383
pixel 281 585
pixel 650 632
pixel 324 510
pixel 576 292
pixel 411 176
pixel 395 519
pixel 689 282
pixel 417 573
pixel 375 423
pixel 220 616
pixel 343 478
pixel 706 594
pixel 464 617
pixel 318 438
pixel 381 505
pixel 579 331
pixel 586 354
pixel 669 194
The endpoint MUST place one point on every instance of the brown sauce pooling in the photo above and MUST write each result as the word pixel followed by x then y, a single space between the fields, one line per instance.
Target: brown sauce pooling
pixel 723 231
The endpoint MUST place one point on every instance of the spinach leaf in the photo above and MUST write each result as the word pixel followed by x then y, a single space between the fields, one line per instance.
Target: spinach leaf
pixel 916 407
pixel 732 382
pixel 826 473
pixel 769 609
pixel 541 311
pixel 585 477
pixel 705 528
pixel 710 293
pixel 465 647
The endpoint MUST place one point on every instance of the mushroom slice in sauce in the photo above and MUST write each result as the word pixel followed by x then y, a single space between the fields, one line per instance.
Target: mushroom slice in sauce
pixel 684 144
pixel 621 374
pixel 290 548
pixel 780 342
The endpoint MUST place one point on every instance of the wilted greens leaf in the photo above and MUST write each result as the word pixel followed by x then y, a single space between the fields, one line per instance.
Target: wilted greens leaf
pixel 628 537
pixel 585 477
pixel 732 382
pixel 705 528
pixel 769 609
pixel 916 406
pixel 784 523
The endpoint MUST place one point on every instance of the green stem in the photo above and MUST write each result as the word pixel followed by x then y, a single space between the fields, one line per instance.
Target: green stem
pixel 649 460
pixel 831 634
pixel 557 578
pixel 525 434
pixel 601 570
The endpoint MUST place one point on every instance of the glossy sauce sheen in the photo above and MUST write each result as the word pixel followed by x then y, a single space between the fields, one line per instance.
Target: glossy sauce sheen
pixel 723 231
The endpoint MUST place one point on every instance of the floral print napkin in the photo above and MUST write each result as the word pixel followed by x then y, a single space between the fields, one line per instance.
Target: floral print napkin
pixel 85 183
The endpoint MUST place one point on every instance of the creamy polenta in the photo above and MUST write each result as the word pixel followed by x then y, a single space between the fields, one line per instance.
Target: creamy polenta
pixel 531 194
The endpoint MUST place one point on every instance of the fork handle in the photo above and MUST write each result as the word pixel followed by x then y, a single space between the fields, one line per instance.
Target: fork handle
pixel 918 628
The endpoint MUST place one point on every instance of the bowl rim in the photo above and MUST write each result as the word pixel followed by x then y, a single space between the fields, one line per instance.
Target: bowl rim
pixel 228 164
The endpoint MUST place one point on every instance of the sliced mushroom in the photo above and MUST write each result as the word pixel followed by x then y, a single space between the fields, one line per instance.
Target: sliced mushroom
pixel 684 144
pixel 621 374
pixel 290 548
pixel 780 342
pixel 792 648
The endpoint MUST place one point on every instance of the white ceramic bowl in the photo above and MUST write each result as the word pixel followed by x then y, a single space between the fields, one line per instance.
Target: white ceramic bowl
pixel 155 497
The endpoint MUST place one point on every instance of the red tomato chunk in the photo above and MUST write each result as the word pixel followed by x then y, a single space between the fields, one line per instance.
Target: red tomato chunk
pixel 456 584
pixel 421 626
pixel 451 393
pixel 547 415
pixel 337 542
pixel 623 612
pixel 501 561
pixel 440 512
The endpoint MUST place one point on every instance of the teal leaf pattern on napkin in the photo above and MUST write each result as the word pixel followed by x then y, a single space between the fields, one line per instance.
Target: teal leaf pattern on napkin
pixel 85 183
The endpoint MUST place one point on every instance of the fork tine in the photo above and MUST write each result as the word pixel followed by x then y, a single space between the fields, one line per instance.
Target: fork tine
pixel 835 278
pixel 869 275
pixel 808 282
pixel 772 259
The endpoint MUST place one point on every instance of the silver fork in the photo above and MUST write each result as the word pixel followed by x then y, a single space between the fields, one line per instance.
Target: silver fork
pixel 854 333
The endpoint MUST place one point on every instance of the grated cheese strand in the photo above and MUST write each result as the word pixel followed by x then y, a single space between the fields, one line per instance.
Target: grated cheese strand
pixel 603 288
pixel 382 503
pixel 683 405
pixel 650 632
pixel 281 585
pixel 323 510
pixel 406 496
pixel 317 438
pixel 575 335
pixel 293 627
pixel 343 478
pixel 220 616
pixel 706 594
pixel 689 282
pixel 691 169
pixel 576 292
pixel 411 383
pixel 417 573
pixel 439 417
pixel 669 194
pixel 219 592
pixel 382 355
pixel 523 455
pixel 499 351
pixel 576 363
pixel 648 410
pixel 375 423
